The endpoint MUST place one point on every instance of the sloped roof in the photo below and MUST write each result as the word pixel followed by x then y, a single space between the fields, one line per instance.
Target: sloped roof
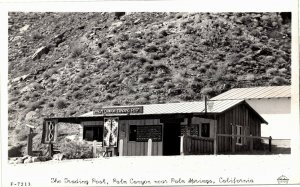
pixel 255 93
pixel 178 108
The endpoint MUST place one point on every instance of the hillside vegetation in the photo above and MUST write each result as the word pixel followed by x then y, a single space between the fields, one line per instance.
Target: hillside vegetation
pixel 66 64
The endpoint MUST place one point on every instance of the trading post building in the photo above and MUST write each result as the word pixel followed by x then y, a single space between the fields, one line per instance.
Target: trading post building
pixel 188 128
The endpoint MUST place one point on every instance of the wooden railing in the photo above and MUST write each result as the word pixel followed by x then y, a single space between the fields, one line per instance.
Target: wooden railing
pixel 194 145
pixel 250 143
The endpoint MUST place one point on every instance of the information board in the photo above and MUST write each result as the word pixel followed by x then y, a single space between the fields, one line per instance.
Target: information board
pixel 144 133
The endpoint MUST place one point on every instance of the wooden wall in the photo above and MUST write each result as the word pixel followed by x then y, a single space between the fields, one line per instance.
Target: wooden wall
pixel 239 115
pixel 198 121
pixel 132 148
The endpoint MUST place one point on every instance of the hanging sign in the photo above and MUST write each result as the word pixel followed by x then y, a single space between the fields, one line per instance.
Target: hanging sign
pixel 49 132
pixel 110 132
pixel 119 110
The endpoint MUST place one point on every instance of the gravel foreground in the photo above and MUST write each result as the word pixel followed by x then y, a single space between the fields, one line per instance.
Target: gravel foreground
pixel 152 171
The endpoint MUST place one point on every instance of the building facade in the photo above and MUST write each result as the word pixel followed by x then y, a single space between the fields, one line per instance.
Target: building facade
pixel 171 129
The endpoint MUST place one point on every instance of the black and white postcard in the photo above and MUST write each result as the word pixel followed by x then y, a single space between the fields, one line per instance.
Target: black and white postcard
pixel 149 93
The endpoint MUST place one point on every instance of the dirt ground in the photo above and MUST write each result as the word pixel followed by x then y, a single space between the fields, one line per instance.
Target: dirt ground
pixel 140 171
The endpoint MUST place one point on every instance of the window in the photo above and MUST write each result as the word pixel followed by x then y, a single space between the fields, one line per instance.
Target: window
pixel 239 131
pixel 91 133
pixel 205 130
pixel 194 130
pixel 142 133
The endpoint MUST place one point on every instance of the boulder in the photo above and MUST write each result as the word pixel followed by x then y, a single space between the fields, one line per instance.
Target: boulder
pixel 19 161
pixel 23 29
pixel 28 160
pixel 58 156
pixel 38 54
pixel 35 159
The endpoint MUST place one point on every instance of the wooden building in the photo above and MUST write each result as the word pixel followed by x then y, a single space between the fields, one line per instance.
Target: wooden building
pixel 174 128
pixel 273 103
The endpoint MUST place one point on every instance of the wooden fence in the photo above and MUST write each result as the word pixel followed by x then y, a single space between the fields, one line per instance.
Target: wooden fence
pixel 248 144
pixel 194 145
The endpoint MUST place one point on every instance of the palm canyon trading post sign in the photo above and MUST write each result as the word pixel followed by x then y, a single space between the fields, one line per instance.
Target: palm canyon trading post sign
pixel 189 128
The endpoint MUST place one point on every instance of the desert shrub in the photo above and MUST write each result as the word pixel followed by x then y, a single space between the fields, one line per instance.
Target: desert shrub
pixel 143 78
pixel 278 81
pixel 38 104
pixel 271 71
pixel 60 104
pixel 21 105
pixel 101 65
pixel 163 33
pixel 21 133
pixel 82 73
pixel 50 104
pixel 151 49
pixel 35 94
pixel 155 56
pixel 123 37
pixel 15 151
pixel 178 78
pixel 76 51
pixel 196 86
pixel 37 86
pixel 159 81
pixel 109 96
pixel 78 94
pixel 46 75
pixel 36 36
pixel 76 149
pixel 126 56
pixel 141 100
pixel 250 77
pixel 148 67
pixel 12 99
pixel 207 91
pixel 15 92
pixel 170 52
pixel 169 85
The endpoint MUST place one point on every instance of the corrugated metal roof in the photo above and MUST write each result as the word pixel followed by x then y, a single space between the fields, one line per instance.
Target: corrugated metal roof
pixel 255 93
pixel 179 108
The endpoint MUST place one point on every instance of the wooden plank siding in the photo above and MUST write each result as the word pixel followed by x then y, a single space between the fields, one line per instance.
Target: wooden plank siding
pixel 239 115
pixel 132 148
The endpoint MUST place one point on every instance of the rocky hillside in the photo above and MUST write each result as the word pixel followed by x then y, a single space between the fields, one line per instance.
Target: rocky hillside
pixel 70 63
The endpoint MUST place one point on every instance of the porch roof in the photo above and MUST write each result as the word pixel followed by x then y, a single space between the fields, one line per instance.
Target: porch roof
pixel 177 108
pixel 197 107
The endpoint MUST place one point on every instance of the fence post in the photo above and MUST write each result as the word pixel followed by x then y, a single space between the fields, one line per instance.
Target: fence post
pixel 233 138
pixel 29 144
pixel 270 143
pixel 181 145
pixel 94 149
pixel 215 145
pixel 121 147
pixel 50 147
pixel 251 143
pixel 149 153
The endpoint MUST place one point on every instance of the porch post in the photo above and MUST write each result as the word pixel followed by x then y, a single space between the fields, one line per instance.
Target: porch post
pixel 121 147
pixel 215 136
pixel 149 152
pixel 181 145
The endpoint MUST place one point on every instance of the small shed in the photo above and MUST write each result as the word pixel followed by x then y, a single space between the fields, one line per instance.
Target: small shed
pixel 273 103
pixel 203 127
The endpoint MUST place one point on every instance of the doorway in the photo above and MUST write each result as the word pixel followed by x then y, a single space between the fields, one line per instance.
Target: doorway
pixel 171 139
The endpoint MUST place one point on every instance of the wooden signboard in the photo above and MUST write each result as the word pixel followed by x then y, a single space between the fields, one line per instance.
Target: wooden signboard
pixel 119 110
pixel 144 133
pixel 49 132
pixel 110 132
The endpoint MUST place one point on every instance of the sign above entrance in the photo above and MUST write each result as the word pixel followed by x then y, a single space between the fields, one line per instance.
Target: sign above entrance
pixel 120 110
